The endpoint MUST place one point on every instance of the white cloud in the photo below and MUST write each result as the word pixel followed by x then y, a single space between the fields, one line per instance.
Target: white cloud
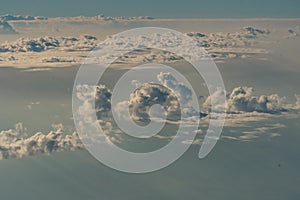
pixel 243 107
pixel 101 94
pixel 60 51
pixel 15 144
pixel 150 94
pixel 83 43
pixel 297 104
pixel 241 99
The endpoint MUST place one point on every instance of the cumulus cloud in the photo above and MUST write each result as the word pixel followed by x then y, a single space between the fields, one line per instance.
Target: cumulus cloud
pixel 243 107
pixel 150 94
pixel 83 43
pixel 15 143
pixel 184 93
pixel 101 94
pixel 244 38
pixel 297 104
pixel 171 94
pixel 241 99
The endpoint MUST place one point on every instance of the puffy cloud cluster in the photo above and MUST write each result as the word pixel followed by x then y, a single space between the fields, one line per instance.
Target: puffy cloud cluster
pixel 241 100
pixel 84 43
pixel 170 92
pixel 14 143
pixel 220 46
pixel 244 38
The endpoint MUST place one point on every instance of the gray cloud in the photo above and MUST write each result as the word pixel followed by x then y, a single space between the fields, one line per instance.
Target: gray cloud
pixel 20 17
pixel 6 28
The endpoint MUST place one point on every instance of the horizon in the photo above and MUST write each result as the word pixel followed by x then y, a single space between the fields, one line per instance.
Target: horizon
pixel 153 18
pixel 156 8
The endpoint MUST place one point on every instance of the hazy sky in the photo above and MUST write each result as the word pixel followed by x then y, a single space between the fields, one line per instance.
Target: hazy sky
pixel 155 8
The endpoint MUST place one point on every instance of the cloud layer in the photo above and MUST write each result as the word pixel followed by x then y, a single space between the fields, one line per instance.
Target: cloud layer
pixel 55 51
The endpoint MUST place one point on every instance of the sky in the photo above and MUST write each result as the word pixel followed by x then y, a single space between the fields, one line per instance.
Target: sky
pixel 155 8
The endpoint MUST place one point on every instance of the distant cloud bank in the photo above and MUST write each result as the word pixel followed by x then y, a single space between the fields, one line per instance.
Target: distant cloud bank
pixel 77 18
pixel 56 51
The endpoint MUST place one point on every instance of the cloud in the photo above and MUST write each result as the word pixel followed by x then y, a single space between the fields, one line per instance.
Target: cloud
pixel 297 104
pixel 150 94
pixel 56 51
pixel 252 31
pixel 15 144
pixel 243 108
pixel 83 43
pixel 102 96
pixel 76 18
pixel 6 28
pixel 20 17
pixel 241 99
pixel 169 93
pixel 102 18
pixel 184 93
pixel 251 133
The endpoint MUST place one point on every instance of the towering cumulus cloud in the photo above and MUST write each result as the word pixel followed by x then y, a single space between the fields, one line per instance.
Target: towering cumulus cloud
pixel 174 96
pixel 150 94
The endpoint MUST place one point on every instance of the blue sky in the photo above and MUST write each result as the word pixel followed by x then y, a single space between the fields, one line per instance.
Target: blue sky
pixel 155 8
